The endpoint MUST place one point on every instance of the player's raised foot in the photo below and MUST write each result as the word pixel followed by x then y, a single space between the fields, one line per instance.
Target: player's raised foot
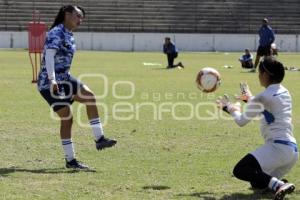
pixel 104 142
pixel 75 164
pixel 286 188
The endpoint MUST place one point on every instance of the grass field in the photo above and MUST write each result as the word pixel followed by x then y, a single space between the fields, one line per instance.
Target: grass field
pixel 157 157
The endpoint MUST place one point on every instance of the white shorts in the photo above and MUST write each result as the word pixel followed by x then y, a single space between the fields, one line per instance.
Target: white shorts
pixel 276 159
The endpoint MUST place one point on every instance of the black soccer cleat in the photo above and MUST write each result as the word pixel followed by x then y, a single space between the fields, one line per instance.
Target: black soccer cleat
pixel 286 188
pixel 104 142
pixel 75 164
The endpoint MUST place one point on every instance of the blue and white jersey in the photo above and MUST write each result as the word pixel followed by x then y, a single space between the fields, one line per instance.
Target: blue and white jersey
pixel 62 40
pixel 274 105
pixel 246 57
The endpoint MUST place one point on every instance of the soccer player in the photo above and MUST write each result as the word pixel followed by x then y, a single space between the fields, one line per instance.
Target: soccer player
pixel 172 52
pixel 266 38
pixel 60 89
pixel 246 60
pixel 265 166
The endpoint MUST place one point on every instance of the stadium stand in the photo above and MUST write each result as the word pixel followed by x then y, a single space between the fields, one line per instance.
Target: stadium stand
pixel 177 16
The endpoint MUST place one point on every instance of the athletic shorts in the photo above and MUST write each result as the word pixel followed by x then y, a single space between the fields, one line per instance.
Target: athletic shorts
pixel 64 97
pixel 276 159
pixel 264 51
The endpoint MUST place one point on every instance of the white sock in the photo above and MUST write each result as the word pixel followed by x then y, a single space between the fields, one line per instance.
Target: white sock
pixel 97 128
pixel 68 149
pixel 275 183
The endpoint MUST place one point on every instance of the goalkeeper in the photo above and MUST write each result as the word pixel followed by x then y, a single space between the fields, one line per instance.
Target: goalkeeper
pixel 265 166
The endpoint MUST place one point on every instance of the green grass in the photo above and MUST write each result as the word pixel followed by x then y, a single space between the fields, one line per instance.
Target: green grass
pixel 154 159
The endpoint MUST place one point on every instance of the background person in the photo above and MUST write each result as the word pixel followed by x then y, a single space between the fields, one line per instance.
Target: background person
pixel 246 60
pixel 171 51
pixel 274 49
pixel 266 38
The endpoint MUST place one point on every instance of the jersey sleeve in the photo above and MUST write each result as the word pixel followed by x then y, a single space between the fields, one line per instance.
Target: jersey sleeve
pixel 54 39
pixel 252 110
pixel 49 58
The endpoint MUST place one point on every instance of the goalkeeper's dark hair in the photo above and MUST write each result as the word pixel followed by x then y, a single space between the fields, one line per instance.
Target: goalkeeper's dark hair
pixel 273 68
pixel 60 17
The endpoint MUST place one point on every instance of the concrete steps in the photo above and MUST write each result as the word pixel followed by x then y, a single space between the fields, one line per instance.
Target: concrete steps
pixel 188 16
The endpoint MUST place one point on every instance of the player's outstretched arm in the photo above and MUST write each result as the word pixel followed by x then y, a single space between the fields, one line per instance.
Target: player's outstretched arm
pixel 227 106
pixel 234 109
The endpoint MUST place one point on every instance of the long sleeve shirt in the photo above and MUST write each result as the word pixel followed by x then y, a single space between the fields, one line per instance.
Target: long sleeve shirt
pixel 274 105
pixel 266 36
pixel 170 48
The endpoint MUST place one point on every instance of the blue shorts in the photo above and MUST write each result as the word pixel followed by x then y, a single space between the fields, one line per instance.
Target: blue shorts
pixel 64 97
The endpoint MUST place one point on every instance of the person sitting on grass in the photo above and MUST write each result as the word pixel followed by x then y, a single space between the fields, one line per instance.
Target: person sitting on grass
pixel 246 60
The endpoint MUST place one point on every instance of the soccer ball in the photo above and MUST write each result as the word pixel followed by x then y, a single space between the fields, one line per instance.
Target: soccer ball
pixel 208 79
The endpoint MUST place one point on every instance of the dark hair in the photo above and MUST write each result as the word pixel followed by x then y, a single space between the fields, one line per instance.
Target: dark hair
pixel 273 68
pixel 60 17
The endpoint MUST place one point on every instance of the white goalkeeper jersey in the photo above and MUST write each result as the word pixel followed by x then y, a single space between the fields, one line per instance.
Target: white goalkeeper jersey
pixel 274 106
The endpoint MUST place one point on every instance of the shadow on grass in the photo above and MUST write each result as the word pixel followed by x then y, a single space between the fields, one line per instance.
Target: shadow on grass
pixel 235 196
pixel 248 72
pixel 248 196
pixel 200 195
pixel 161 68
pixel 7 171
pixel 156 187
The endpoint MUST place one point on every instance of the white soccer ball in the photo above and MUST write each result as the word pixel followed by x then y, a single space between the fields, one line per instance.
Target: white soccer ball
pixel 208 79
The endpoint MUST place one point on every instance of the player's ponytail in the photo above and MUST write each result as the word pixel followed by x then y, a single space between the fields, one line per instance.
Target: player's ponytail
pixel 60 17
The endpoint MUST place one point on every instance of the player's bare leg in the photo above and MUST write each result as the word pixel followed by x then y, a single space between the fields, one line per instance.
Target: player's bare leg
pixel 66 138
pixel 87 97
pixel 65 122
